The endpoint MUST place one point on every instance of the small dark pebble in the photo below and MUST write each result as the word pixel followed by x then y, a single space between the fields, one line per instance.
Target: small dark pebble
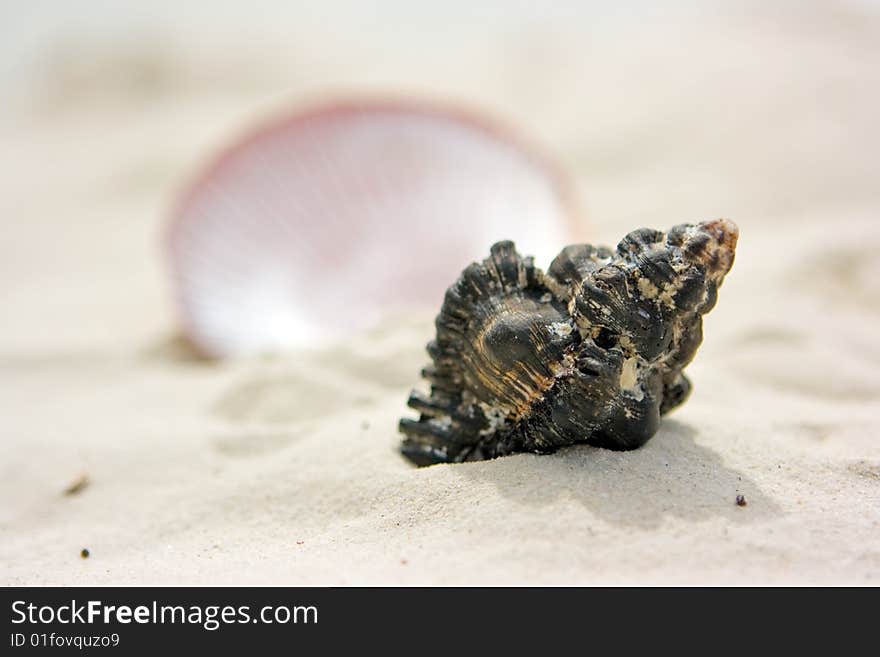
pixel 741 500
pixel 84 553
pixel 78 485
pixel 300 542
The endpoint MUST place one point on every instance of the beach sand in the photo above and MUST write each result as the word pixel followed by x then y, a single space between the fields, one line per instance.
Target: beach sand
pixel 284 469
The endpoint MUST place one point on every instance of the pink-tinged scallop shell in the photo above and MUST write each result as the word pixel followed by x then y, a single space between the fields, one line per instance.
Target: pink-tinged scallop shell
pixel 322 222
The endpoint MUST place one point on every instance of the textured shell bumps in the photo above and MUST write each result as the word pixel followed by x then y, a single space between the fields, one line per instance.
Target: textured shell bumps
pixel 590 352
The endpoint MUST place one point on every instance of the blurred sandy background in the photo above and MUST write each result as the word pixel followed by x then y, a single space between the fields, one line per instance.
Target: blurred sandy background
pixel 283 470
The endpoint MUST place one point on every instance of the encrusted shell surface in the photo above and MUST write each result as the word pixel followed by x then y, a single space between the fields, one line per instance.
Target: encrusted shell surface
pixel 590 352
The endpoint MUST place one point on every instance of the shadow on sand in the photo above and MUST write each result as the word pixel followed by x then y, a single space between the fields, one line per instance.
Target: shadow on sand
pixel 174 348
pixel 671 476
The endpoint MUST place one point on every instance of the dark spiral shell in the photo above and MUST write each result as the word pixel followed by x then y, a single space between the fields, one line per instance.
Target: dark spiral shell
pixel 590 352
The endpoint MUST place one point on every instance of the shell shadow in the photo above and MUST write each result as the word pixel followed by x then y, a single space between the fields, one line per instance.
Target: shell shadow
pixel 174 348
pixel 672 476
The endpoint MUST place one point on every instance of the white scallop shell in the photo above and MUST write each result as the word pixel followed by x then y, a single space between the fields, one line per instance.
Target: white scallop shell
pixel 323 222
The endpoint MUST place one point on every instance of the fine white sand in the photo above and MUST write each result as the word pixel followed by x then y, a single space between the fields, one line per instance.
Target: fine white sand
pixel 283 470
